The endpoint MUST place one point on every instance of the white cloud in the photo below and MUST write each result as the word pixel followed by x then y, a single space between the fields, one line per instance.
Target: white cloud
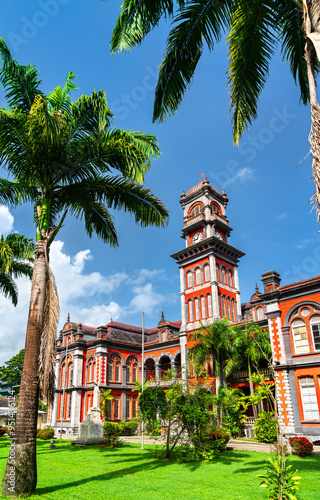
pixel 243 175
pixel 6 220
pixel 282 216
pixel 303 243
pixel 90 298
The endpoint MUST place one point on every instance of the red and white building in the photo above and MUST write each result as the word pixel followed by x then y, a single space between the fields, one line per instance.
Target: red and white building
pixel 110 355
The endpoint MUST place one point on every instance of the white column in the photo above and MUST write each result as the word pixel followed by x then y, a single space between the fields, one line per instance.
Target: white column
pixel 214 288
pixel 182 295
pixel 236 285
pixel 76 394
pixel 54 410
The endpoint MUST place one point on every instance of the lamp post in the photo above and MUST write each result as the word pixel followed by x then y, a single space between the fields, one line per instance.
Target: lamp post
pixel 142 381
pixel 64 388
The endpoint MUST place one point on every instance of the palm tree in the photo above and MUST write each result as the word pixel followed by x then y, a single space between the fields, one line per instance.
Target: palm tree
pixel 254 347
pixel 217 342
pixel 254 29
pixel 16 254
pixel 63 158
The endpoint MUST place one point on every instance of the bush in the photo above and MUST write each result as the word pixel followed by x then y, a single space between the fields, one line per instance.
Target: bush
pixel 130 428
pixel 211 441
pixel 301 446
pixel 3 431
pixel 120 428
pixel 265 428
pixel 112 442
pixel 46 433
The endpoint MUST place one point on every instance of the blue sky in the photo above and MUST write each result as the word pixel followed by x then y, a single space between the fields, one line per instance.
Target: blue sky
pixel 267 179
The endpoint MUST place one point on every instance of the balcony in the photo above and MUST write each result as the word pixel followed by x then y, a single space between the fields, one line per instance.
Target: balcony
pixel 245 374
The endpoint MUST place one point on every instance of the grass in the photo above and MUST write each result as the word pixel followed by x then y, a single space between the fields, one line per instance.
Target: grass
pixel 131 473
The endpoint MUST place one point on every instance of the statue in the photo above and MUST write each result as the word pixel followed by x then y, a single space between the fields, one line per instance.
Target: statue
pixel 91 429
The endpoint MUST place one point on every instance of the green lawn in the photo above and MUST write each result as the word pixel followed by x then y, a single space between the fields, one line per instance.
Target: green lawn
pixel 132 473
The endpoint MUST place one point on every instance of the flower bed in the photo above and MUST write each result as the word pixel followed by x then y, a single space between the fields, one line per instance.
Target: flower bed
pixel 301 446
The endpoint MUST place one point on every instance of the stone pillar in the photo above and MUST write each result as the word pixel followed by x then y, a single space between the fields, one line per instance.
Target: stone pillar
pixel 124 375
pixel 76 394
pixel 182 295
pixel 214 288
pixel 54 409
pixel 236 285
pixel 101 354
pixel 123 404
pixel 157 369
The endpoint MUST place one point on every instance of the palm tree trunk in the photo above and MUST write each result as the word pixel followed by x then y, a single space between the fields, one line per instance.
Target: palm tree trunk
pixel 20 477
pixel 311 14
pixel 255 413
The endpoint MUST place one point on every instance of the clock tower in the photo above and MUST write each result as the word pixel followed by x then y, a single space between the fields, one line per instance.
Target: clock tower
pixel 209 284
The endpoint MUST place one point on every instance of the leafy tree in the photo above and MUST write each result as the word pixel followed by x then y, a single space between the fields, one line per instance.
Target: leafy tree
pixel 16 254
pixel 12 369
pixel 105 396
pixel 255 29
pixel 63 157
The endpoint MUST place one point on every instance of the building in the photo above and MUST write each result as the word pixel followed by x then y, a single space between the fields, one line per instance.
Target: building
pixel 110 355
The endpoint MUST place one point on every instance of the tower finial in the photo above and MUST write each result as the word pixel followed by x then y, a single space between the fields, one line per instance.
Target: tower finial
pixel 257 289
pixel 202 176
pixel 68 318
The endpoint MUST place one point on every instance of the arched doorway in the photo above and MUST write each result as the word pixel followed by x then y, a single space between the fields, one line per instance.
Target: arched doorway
pixel 165 366
pixel 150 369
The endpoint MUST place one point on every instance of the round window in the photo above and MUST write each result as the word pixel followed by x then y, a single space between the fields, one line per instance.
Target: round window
pixel 305 311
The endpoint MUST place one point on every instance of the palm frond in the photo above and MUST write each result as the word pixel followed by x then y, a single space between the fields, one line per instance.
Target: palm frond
pixel 137 18
pixel 21 83
pixel 21 269
pixel 293 41
pixel 22 247
pixel 252 41
pixel 48 341
pixel 8 288
pixel 59 98
pixel 197 22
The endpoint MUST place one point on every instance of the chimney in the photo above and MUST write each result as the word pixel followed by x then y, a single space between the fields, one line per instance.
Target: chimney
pixel 271 281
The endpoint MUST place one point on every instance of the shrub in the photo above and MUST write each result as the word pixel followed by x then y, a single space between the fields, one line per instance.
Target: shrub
pixel 112 442
pixel 46 433
pixel 265 428
pixel 111 429
pixel 120 428
pixel 211 441
pixel 3 431
pixel 130 428
pixel 301 446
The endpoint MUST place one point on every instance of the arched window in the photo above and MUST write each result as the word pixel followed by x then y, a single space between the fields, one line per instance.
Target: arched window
pixel 300 336
pixel 230 278
pixel 203 307
pixel 68 406
pixel 206 273
pixel 315 328
pixel 309 398
pixel 91 370
pixel 62 371
pixel 114 369
pixel 190 310
pixel 224 276
pixel 189 279
pixel 70 375
pixel 197 309
pixel 198 276
pixel 259 313
pixel 197 210
pixel 215 209
pixel 218 273
pixel 132 369
pixel 209 305
pixel 232 310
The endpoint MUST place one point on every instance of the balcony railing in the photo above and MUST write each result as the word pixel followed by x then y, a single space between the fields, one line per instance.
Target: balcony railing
pixel 245 374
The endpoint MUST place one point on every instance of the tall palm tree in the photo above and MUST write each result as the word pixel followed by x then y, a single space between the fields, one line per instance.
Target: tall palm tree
pixel 254 347
pixel 254 29
pixel 217 343
pixel 63 158
pixel 16 255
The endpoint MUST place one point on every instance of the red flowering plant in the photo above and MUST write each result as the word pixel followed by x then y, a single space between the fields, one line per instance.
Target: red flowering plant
pixel 112 442
pixel 214 440
pixel 301 446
